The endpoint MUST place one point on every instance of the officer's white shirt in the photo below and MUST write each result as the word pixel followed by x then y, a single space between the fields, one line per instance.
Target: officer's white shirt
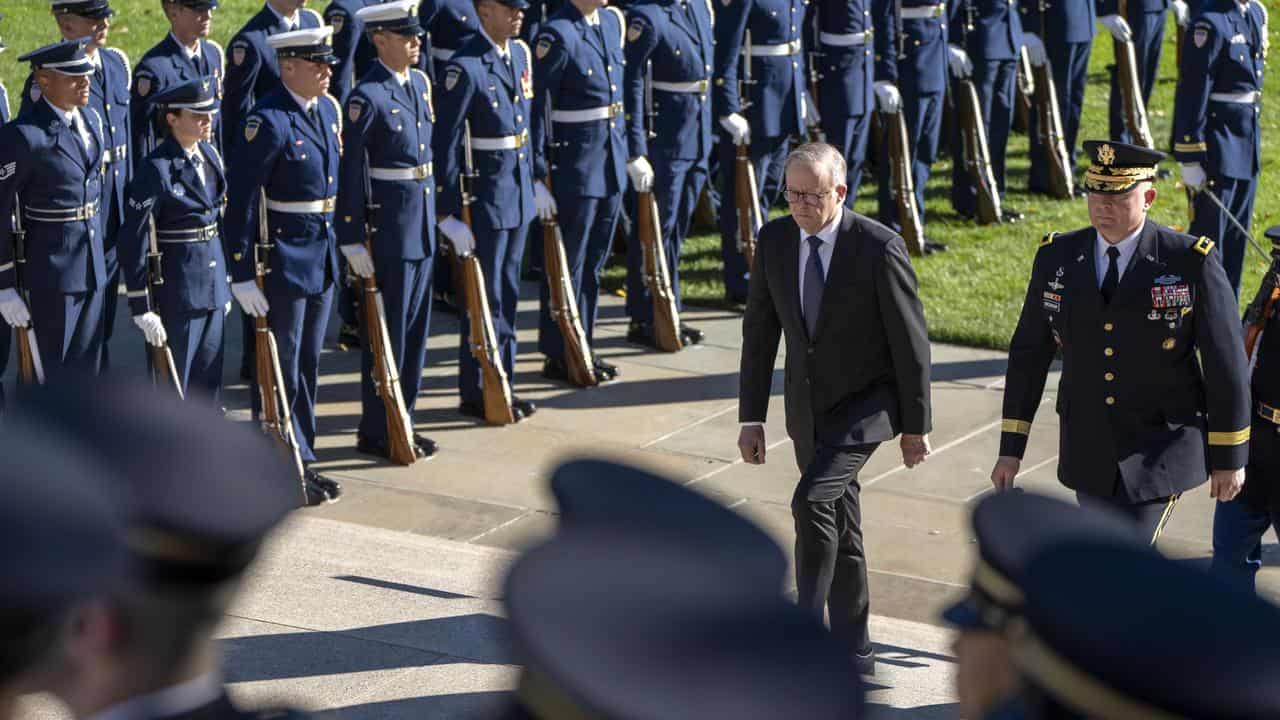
pixel 170 702
pixel 290 22
pixel 402 78
pixel 191 54
pixel 1127 246
pixel 197 161
pixel 75 120
pixel 594 18
pixel 828 237
pixel 306 105
pixel 503 52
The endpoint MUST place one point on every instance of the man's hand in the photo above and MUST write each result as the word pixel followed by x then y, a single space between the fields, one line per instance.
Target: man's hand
pixel 1004 472
pixel 1193 176
pixel 152 328
pixel 641 174
pixel 812 117
pixel 738 128
pixel 251 299
pixel 458 235
pixel 888 99
pixel 1035 49
pixel 358 259
pixel 958 60
pixel 543 202
pixel 1225 485
pixel 751 444
pixel 1181 12
pixel 1118 26
pixel 915 448
pixel 13 309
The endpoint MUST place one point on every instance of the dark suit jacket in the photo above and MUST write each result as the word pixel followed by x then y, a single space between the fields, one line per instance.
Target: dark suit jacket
pixel 864 378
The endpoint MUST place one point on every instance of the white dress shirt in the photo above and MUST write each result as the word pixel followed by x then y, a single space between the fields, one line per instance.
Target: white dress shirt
pixel 503 52
pixel 402 78
pixel 828 237
pixel 191 53
pixel 290 22
pixel 306 105
pixel 197 161
pixel 74 120
pixel 1126 246
pixel 172 701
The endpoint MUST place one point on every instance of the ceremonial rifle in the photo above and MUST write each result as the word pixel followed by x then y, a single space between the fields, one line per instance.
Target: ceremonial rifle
pixel 815 132
pixel 902 184
pixel 1135 109
pixel 1053 137
pixel 163 370
pixel 746 193
pixel 973 135
pixel 1263 305
pixel 30 367
pixel 1024 104
pixel 657 277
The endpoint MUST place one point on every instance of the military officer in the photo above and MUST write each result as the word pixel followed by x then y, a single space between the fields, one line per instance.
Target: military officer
pixel 1216 128
pixel 1062 34
pixel 449 24
pixel 984 47
pixel 178 194
pixel 350 44
pixel 1144 25
pixel 185 54
pixel 486 99
pixel 1137 310
pixel 666 93
pixel 289 155
pixel 758 41
pixel 386 194
pixel 51 187
pixel 580 151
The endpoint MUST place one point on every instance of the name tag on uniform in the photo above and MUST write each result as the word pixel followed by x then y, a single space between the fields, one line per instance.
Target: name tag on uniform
pixel 1171 296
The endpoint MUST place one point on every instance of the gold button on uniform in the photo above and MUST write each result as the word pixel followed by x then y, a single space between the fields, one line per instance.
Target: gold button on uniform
pixel 1108 352
pixel 1109 376
pixel 1109 327
pixel 1111 400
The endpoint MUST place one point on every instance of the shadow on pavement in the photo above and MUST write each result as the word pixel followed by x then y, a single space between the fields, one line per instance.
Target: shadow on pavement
pixel 438 707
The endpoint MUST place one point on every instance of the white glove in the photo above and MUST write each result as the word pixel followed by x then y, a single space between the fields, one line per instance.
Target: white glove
pixel 13 309
pixel 641 174
pixel 227 309
pixel 958 59
pixel 888 98
pixel 1193 176
pixel 251 299
pixel 1035 49
pixel 358 259
pixel 151 326
pixel 1181 13
pixel 811 114
pixel 738 128
pixel 458 235
pixel 1118 26
pixel 543 202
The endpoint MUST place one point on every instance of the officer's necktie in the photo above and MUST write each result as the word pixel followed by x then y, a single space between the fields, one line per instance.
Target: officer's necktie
pixel 814 280
pixel 1111 280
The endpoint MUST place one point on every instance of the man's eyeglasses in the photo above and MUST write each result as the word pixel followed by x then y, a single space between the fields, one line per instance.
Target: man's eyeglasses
pixel 796 197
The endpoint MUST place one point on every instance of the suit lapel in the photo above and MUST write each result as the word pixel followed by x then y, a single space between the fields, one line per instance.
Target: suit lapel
pixel 499 67
pixel 677 16
pixel 789 262
pixel 843 256
pixel 65 138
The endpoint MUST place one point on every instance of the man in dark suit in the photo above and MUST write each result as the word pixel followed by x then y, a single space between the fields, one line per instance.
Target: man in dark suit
pixel 857 374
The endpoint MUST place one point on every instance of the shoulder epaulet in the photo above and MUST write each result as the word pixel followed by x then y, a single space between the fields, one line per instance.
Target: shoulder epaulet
pixel 1203 245
pixel 314 14
pixel 622 24
pixel 128 70
pixel 337 109
pixel 528 56
pixel 1048 239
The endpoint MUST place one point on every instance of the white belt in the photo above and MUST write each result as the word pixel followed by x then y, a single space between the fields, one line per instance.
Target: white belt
pixel 923 13
pixel 304 207
pixel 1244 98
pixel 442 53
pixel 693 86
pixel 608 112
pixel 844 39
pixel 116 154
pixel 783 50
pixel 506 142
pixel 421 172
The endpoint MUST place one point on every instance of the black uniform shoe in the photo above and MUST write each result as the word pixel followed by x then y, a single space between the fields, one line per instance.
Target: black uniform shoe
pixel 1009 215
pixel 691 335
pixel 320 489
pixel 865 662
pixel 423 447
pixel 348 337
pixel 933 246
pixel 604 371
pixel 553 369
pixel 522 408
pixel 640 333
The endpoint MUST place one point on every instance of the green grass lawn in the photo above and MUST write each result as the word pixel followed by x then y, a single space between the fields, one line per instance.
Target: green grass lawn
pixel 971 293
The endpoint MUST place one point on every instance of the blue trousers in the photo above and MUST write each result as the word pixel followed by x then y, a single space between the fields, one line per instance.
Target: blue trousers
pixel 110 294
pixel 995 81
pixel 851 136
pixel 587 225
pixel 195 338
pixel 406 297
pixel 677 184
pixel 768 154
pixel 1148 36
pixel 298 323
pixel 1070 74
pixel 69 329
pixel 1237 540
pixel 923 114
pixel 499 252
pixel 1208 220
pixel 6 337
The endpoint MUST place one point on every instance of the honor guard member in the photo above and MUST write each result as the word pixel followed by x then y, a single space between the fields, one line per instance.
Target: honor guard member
pixel 1143 24
pixel 185 54
pixel 5 333
pixel 667 94
pixel 449 23
pixel 1154 394
pixel 51 191
pixel 200 494
pixel 178 194
pixel 917 67
pixel 350 44
pixel 291 144
pixel 985 39
pixel 1062 33
pixel 1216 127
pixel 386 195
pixel 580 150
pixel 486 97
pixel 757 41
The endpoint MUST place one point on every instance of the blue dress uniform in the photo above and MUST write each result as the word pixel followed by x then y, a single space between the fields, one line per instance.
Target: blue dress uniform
pixel 1216 119
pixel 851 43
pixel 292 154
pixel 1141 372
pixel 355 53
pixel 771 31
pixel 1066 29
pixel 1147 20
pixel 58 181
pixel 580 146
pixel 387 139
pixel 670 45
pixel 187 215
pixel 990 31
pixel 493 96
pixel 449 23
pixel 921 76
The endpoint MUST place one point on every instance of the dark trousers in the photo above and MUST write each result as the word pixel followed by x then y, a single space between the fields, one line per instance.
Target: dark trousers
pixel 1211 222
pixel 69 329
pixel 923 115
pixel 6 338
pixel 298 323
pixel 195 339
pixel 587 225
pixel 499 252
pixel 851 136
pixel 1148 36
pixel 406 299
pixel 677 184
pixel 110 261
pixel 1149 515
pixel 1237 540
pixel 831 564
pixel 995 81
pixel 1070 74
pixel 768 154
pixel 347 294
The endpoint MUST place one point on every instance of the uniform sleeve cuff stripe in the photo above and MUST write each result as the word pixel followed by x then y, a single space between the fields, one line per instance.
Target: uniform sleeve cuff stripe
pixel 1190 147
pixel 1239 437
pixel 1021 427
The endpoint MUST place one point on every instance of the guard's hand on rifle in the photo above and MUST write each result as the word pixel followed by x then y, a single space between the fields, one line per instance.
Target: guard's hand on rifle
pixel 958 60
pixel 738 128
pixel 152 328
pixel 1193 176
pixel 888 99
pixel 1118 27
pixel 459 236
pixel 251 299
pixel 1035 49
pixel 641 174
pixel 1181 13
pixel 811 115
pixel 543 202
pixel 13 309
pixel 358 259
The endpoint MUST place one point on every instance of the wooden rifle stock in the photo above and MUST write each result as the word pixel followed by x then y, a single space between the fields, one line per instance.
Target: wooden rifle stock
pixel 564 307
pixel 30 367
pixel 902 181
pixel 1052 136
pixel 1135 109
pixel 657 278
pixel 386 373
pixel 1027 85
pixel 977 156
pixel 1263 305
pixel 746 197
pixel 164 372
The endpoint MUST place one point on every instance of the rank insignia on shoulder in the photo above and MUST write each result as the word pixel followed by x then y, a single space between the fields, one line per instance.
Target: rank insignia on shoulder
pixel 544 46
pixel 1203 245
pixel 1047 240
pixel 451 77
pixel 8 170
pixel 634 31
pixel 251 128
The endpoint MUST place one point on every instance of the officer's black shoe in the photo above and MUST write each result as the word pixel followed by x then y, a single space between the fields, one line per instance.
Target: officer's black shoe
pixel 933 246
pixel 1009 215
pixel 522 408
pixel 320 489
pixel 865 662
pixel 640 333
pixel 423 447
pixel 553 369
pixel 604 371
pixel 348 337
pixel 690 335
pixel 472 409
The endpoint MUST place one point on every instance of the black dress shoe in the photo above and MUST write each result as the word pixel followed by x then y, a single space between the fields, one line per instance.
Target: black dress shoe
pixel 640 333
pixel 522 408
pixel 1009 215
pixel 320 489
pixel 348 337
pixel 474 409
pixel 604 371
pixel 553 369
pixel 423 447
pixel 865 663
pixel 691 335
pixel 933 246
